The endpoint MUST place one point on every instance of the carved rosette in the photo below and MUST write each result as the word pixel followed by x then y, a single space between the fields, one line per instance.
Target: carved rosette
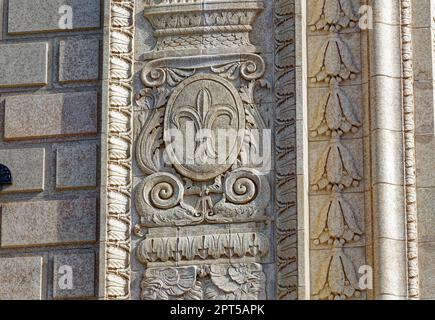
pixel 336 222
pixel 119 151
pixel 209 203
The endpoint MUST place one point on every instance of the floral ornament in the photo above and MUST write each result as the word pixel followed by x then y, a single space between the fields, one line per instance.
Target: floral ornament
pixel 335 115
pixel 337 278
pixel 336 223
pixel 171 283
pixel 336 169
pixel 332 15
pixel 235 282
pixel 334 62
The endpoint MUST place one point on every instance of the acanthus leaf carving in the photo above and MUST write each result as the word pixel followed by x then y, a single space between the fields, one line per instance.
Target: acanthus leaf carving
pixel 335 169
pixel 337 278
pixel 154 98
pixel 332 15
pixel 336 223
pixel 150 141
pixel 335 115
pixel 334 62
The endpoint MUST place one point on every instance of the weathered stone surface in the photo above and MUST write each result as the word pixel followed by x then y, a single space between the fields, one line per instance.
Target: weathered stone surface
pixel 79 60
pixel 50 115
pixel 47 15
pixel 27 168
pixel 427 276
pixel 76 166
pixel 23 64
pixel 81 266
pixel 48 222
pixel 21 278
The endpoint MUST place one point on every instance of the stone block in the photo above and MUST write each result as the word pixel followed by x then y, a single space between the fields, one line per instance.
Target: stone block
pixel 74 275
pixel 23 64
pixel 55 222
pixel 27 168
pixel 79 60
pixel 50 115
pixel 21 278
pixel 76 167
pixel 50 15
pixel 426 265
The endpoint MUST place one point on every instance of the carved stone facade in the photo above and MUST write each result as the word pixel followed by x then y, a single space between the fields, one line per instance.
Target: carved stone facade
pixel 234 149
pixel 205 215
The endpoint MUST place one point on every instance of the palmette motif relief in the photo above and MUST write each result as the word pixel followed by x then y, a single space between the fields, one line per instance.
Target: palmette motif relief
pixel 208 246
pixel 331 15
pixel 336 224
pixel 337 279
pixel 191 183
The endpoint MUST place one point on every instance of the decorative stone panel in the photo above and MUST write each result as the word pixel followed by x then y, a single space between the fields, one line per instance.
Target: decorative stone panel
pixel 224 227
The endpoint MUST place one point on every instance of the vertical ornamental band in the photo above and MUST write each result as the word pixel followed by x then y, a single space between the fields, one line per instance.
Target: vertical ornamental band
pixel 285 151
pixel 409 152
pixel 119 148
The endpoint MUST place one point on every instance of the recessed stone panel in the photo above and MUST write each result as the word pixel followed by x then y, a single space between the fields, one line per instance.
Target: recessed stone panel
pixel 76 166
pixel 50 115
pixel 36 223
pixel 21 278
pixel 79 60
pixel 23 64
pixel 52 15
pixel 27 169
pixel 74 275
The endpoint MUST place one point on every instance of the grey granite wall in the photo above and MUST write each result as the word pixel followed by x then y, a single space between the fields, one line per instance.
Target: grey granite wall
pixel 49 126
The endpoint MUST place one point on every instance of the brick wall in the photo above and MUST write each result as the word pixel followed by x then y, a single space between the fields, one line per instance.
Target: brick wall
pixel 49 126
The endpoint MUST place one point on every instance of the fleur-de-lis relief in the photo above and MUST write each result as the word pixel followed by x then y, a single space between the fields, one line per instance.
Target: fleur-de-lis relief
pixel 337 278
pixel 335 169
pixel 332 15
pixel 336 223
pixel 335 115
pixel 203 116
pixel 334 62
